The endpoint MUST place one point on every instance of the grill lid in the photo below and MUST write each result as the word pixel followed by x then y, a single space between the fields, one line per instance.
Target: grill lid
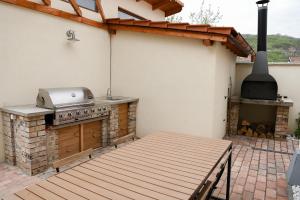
pixel 55 98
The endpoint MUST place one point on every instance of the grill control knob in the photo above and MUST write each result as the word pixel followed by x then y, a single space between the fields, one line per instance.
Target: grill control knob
pixel 77 113
pixel 104 109
pixel 85 111
pixel 69 114
pixel 60 116
pixel 93 110
pixel 99 109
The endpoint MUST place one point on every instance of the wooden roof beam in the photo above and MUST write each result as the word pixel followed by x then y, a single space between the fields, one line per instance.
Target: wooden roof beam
pixel 172 11
pixel 47 2
pixel 100 10
pixel 169 32
pixel 160 4
pixel 55 12
pixel 76 7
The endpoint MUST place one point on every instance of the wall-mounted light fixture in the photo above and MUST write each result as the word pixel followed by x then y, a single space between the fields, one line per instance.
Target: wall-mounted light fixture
pixel 71 36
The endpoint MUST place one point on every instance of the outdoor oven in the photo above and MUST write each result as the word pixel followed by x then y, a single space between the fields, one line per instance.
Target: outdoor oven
pixel 260 111
pixel 260 84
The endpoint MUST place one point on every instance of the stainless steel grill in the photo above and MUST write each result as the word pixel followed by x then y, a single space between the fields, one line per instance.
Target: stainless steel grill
pixel 71 104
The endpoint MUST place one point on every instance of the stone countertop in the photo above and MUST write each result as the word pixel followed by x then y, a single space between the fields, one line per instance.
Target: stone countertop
pixel 27 110
pixel 32 110
pixel 116 100
pixel 282 102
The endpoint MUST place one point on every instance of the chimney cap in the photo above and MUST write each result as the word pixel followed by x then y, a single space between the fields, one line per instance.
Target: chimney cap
pixel 262 2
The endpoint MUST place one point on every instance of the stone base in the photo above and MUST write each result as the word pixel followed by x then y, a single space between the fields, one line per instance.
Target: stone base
pixel 33 147
pixel 282 115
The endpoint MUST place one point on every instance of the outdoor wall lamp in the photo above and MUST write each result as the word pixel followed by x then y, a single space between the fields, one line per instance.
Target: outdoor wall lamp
pixel 71 36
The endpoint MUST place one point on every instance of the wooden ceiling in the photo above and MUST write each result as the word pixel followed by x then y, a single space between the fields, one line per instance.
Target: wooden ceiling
pixel 170 7
pixel 228 36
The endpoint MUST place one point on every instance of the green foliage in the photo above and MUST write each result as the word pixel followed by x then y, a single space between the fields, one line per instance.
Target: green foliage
pixel 280 47
pixel 205 14
pixel 297 131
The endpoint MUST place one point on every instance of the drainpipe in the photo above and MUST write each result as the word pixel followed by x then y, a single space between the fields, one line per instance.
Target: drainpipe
pixel 108 94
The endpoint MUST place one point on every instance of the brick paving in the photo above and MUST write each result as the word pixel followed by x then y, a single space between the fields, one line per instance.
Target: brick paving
pixel 258 170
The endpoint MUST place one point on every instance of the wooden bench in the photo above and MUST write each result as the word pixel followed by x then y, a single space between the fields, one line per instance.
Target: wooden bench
pixel 123 139
pixel 59 163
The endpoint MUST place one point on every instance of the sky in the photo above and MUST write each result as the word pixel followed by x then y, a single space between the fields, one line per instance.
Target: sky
pixel 283 17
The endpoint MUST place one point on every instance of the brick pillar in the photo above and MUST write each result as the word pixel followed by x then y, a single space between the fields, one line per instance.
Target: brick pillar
pixel 281 127
pixel 31 144
pixel 9 139
pixel 132 118
pixel 52 146
pixel 233 118
pixel 105 132
pixel 113 123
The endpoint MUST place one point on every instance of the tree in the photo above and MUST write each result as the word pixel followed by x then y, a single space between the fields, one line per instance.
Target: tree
pixel 203 15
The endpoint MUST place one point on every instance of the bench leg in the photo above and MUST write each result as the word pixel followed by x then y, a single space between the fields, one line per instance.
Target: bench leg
pixel 228 175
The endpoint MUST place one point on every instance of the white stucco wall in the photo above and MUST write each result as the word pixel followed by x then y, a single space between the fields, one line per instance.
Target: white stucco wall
pixel 224 70
pixel 287 77
pixel 34 53
pixel 176 80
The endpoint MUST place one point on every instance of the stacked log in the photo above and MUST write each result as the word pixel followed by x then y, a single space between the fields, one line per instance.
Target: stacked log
pixel 261 130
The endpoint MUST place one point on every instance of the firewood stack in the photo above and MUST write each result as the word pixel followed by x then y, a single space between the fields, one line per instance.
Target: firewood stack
pixel 255 130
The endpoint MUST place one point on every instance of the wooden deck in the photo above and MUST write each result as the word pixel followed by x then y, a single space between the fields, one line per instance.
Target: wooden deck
pixel 160 166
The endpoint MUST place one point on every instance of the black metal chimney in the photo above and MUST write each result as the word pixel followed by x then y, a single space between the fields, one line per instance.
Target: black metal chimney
pixel 260 84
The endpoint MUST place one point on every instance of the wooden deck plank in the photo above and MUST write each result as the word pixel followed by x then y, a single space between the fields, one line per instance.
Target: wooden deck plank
pixel 188 147
pixel 161 167
pixel 158 158
pixel 149 169
pixel 204 156
pixel 138 186
pixel 147 173
pixel 108 185
pixel 27 195
pixel 77 189
pixel 161 162
pixel 60 191
pixel 171 157
pixel 142 177
pixel 102 188
pixel 45 194
pixel 137 182
pixel 12 197
pixel 207 146
pixel 189 139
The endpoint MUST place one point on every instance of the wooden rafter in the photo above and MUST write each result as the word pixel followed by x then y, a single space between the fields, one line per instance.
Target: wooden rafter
pixel 76 7
pixel 226 35
pixel 47 2
pixel 160 4
pixel 100 10
pixel 54 12
pixel 169 32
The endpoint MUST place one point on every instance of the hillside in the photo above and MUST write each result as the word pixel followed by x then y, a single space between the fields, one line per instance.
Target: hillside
pixel 280 47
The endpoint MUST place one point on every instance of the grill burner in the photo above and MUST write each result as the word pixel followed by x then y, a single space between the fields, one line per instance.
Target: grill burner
pixel 71 104
pixel 260 84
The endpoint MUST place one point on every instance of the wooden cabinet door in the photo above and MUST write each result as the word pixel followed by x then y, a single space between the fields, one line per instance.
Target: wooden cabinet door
pixel 92 135
pixel 68 141
pixel 123 120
